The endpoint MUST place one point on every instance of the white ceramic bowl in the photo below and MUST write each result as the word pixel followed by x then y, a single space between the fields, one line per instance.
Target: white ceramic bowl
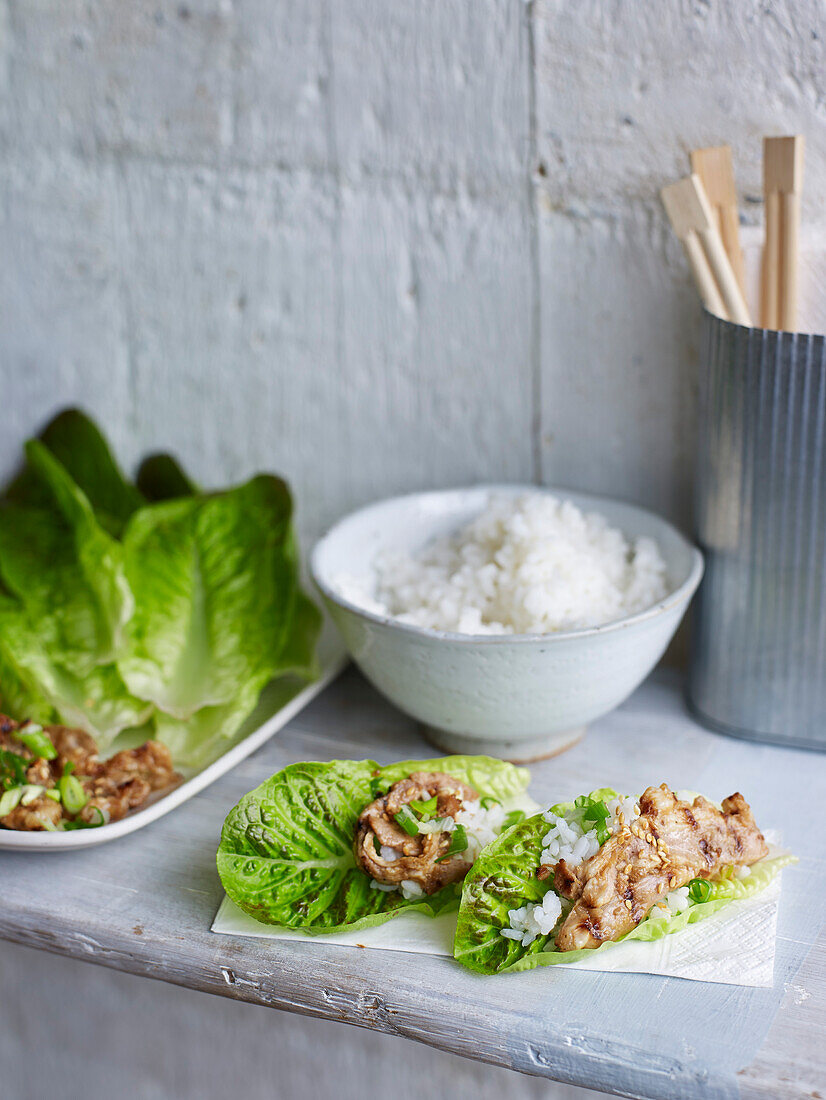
pixel 518 696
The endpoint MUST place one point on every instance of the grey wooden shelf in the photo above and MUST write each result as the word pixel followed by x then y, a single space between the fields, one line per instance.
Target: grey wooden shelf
pixel 144 904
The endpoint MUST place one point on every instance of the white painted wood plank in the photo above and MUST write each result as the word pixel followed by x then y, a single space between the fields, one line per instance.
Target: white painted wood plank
pixel 144 904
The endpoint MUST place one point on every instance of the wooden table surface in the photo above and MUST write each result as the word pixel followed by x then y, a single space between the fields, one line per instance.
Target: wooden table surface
pixel 144 904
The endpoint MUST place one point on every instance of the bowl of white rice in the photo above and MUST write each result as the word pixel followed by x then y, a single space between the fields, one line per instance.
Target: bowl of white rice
pixel 505 618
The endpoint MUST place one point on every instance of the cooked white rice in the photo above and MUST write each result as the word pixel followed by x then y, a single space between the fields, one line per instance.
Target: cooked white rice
pixel 569 841
pixel 532 920
pixel 481 826
pixel 674 902
pixel 526 565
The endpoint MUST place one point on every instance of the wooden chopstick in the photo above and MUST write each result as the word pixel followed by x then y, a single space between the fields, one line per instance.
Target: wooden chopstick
pixel 692 219
pixel 715 167
pixel 782 184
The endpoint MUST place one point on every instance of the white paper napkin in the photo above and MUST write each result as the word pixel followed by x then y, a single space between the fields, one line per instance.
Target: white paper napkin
pixel 735 946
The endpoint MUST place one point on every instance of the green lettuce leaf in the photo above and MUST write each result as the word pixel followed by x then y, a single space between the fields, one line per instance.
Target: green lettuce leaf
pixel 34 686
pixel 504 878
pixel 21 696
pixel 286 852
pixel 66 570
pixel 215 581
pixel 161 477
pixel 79 446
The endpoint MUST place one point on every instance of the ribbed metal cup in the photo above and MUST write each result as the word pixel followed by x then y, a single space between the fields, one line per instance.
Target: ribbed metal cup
pixel 758 664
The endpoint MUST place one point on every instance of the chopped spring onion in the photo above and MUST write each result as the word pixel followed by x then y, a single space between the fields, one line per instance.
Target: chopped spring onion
pixel 30 793
pixel 12 769
pixel 53 793
pixel 458 843
pixel 699 890
pixel 513 818
pixel 69 826
pixel 597 812
pixel 425 808
pixel 437 825
pixel 407 821
pixel 489 801
pixel 72 794
pixel 36 741
pixel 377 844
pixel 597 815
pixel 9 800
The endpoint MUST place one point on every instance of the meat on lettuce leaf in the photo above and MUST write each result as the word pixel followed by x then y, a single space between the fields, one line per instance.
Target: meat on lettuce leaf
pixel 286 853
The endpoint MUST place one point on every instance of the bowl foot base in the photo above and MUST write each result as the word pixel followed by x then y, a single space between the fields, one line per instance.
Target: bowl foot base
pixel 523 751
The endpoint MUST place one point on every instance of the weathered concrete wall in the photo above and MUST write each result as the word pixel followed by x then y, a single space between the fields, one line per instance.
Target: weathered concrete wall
pixel 374 245
pixel 293 236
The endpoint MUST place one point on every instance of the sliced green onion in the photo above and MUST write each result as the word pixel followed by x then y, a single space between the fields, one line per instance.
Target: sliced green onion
pixel 699 890
pixel 31 792
pixel 12 769
pixel 437 825
pixel 458 843
pixel 36 741
pixel 9 800
pixel 513 818
pixel 489 801
pixel 53 793
pixel 72 794
pixel 428 807
pixel 597 812
pixel 406 821
pixel 69 826
pixel 377 844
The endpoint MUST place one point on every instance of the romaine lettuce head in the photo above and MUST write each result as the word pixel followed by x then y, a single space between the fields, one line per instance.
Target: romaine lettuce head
pixel 504 878
pixel 118 613
pixel 286 852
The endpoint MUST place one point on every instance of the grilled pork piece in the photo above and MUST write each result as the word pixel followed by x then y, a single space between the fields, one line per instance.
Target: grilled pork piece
pixel 670 843
pixel 115 786
pixel 126 780
pixel 418 854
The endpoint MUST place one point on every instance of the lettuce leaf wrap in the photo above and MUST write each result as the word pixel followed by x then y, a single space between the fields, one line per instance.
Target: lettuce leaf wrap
pixel 504 878
pixel 286 852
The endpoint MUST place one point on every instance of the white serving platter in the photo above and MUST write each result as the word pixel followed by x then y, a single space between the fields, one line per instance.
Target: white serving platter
pixel 280 702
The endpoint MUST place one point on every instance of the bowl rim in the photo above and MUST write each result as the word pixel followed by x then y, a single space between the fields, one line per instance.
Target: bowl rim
pixel 682 593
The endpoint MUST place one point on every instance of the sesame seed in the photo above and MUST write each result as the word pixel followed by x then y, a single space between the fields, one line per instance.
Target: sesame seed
pixel 628 904
pixel 660 887
pixel 672 882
